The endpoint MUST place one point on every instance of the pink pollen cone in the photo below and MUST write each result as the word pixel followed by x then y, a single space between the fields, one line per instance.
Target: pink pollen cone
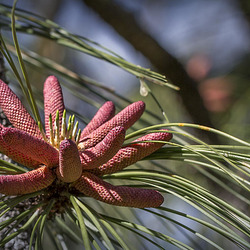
pixel 16 112
pixel 132 153
pixel 70 168
pixel 105 113
pixel 26 183
pixel 32 147
pixel 53 101
pixel 92 186
pixel 126 118
pixel 104 150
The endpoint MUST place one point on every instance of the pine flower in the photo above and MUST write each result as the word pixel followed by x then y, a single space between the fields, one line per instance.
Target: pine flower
pixel 64 160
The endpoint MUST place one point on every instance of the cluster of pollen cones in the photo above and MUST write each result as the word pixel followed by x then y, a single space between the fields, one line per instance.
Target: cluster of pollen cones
pixel 78 160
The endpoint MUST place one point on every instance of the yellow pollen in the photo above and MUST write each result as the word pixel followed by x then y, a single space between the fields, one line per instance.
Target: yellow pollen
pixel 68 131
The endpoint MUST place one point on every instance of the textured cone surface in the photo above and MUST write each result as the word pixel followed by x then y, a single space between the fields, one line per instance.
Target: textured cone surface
pixel 14 154
pixel 92 186
pixel 34 148
pixel 70 168
pixel 53 101
pixel 26 183
pixel 104 150
pixel 126 118
pixel 104 114
pixel 16 112
pixel 129 155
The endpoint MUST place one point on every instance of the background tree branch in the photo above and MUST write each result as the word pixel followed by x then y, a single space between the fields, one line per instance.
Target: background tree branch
pixel 126 25
pixel 245 7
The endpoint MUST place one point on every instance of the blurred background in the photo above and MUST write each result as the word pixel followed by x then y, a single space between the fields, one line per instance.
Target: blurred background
pixel 201 46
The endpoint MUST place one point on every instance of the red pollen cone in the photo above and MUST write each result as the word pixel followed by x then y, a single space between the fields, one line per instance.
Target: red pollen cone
pixel 104 150
pixel 53 101
pixel 104 114
pixel 26 183
pixel 92 186
pixel 16 112
pixel 130 154
pixel 35 148
pixel 70 168
pixel 126 118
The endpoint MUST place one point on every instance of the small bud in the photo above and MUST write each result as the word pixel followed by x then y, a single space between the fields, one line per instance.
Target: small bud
pixel 75 130
pixel 78 136
pixel 63 128
pixel 57 128
pixel 69 123
pixel 52 142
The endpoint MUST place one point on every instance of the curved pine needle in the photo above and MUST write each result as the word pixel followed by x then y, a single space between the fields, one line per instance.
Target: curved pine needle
pixel 67 230
pixel 114 233
pixel 147 231
pixel 11 166
pixel 21 229
pixel 12 202
pixel 208 202
pixel 227 232
pixel 20 217
pixel 82 225
pixel 181 154
pixel 36 25
pixel 182 182
pixel 182 225
pixel 96 223
pixel 33 232
pixel 53 236
pixel 226 170
pixel 41 221
pixel 30 96
pixel 208 129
